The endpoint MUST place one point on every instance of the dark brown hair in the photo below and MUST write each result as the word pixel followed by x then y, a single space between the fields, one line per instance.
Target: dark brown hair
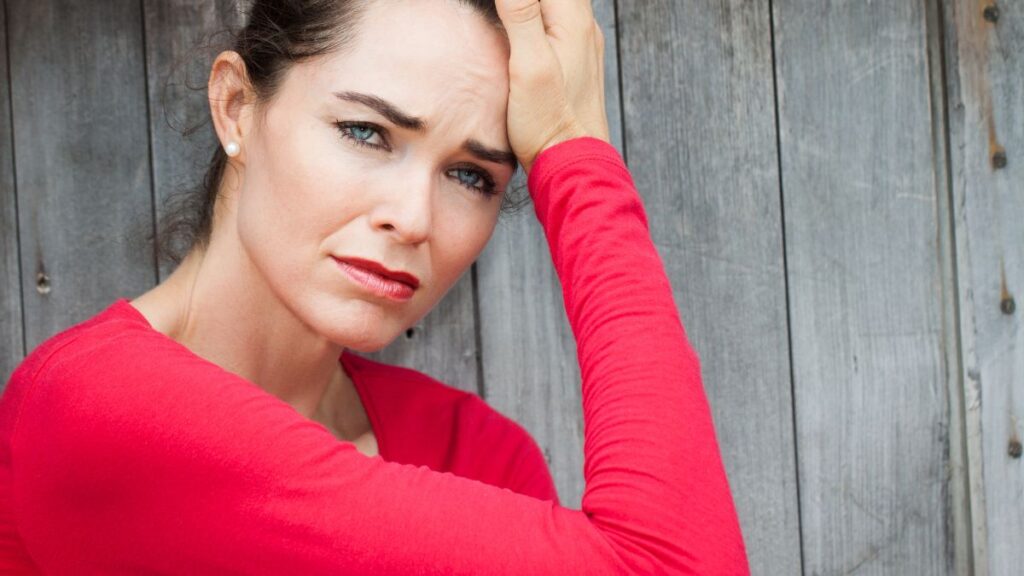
pixel 277 34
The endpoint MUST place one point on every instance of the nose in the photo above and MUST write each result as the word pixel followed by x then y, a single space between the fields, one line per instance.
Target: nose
pixel 405 211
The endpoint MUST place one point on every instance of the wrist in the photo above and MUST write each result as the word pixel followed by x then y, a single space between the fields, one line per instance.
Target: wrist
pixel 563 136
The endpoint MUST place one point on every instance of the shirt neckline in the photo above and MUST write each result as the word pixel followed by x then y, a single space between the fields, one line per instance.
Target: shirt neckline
pixel 350 363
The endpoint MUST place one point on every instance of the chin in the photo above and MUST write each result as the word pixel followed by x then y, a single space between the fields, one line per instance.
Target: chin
pixel 366 341
pixel 360 328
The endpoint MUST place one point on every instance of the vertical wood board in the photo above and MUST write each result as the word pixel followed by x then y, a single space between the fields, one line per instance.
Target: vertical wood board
pixel 866 302
pixel 182 39
pixel 700 132
pixel 11 342
pixel 986 108
pixel 82 158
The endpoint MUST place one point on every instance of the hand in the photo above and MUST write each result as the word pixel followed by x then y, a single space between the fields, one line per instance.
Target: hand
pixel 556 74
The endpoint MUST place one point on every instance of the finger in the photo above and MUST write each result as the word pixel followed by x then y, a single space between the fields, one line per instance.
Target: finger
pixel 524 25
pixel 572 15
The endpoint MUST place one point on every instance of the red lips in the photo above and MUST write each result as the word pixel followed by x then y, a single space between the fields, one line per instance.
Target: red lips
pixel 378 268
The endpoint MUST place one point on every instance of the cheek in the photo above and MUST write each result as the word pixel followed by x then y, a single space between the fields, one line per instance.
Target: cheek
pixel 458 240
pixel 310 183
pixel 293 198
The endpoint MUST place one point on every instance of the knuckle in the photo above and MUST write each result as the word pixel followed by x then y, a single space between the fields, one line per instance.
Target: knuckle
pixel 522 11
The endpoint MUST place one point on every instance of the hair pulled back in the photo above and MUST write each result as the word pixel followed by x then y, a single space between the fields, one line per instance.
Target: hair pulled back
pixel 276 35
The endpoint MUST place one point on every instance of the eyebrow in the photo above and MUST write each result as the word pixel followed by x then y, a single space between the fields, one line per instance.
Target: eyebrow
pixel 403 120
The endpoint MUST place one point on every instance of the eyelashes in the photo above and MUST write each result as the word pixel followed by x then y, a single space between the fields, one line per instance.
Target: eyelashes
pixel 355 130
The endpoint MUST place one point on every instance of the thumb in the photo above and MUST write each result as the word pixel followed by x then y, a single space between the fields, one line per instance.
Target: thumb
pixel 524 25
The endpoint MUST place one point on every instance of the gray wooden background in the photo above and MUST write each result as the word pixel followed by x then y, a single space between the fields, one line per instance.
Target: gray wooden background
pixel 835 187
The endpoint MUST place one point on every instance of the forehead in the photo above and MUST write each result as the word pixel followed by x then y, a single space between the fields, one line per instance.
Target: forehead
pixel 433 58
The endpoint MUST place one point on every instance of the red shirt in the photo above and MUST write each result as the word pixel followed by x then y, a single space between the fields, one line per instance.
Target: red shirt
pixel 123 452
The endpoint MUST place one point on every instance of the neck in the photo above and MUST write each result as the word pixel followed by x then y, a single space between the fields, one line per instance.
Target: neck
pixel 217 305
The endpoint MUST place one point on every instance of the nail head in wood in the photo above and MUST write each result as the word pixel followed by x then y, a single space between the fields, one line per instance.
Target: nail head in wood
pixel 991 13
pixel 999 160
pixel 1014 449
pixel 42 283
pixel 1008 305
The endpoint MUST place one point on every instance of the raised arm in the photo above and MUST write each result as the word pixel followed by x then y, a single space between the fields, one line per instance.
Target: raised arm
pixel 654 477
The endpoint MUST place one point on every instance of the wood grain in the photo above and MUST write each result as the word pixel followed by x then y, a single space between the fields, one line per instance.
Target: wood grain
pixel 865 285
pixel 986 111
pixel 12 345
pixel 78 91
pixel 182 39
pixel 700 133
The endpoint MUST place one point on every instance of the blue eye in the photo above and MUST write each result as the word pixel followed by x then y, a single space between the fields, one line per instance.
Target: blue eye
pixel 360 133
pixel 486 186
pixel 474 176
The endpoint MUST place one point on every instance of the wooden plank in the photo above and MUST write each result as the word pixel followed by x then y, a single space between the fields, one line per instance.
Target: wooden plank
pixel 530 372
pixel 865 285
pixel 12 345
pixel 958 526
pixel 700 133
pixel 82 161
pixel 182 39
pixel 986 110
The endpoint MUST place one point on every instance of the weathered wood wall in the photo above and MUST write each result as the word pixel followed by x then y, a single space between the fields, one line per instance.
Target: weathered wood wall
pixel 836 189
pixel 985 81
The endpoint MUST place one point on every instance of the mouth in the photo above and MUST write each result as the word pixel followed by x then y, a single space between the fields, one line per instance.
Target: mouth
pixel 375 278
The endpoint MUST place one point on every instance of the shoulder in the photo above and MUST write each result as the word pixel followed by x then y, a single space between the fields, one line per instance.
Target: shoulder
pixel 64 343
pixel 103 387
pixel 108 344
pixel 99 336
pixel 111 365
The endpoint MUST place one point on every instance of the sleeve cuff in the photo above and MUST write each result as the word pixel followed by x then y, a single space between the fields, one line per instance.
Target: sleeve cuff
pixel 550 160
pixel 552 178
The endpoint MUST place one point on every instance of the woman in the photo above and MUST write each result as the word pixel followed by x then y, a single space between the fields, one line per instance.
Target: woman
pixel 219 422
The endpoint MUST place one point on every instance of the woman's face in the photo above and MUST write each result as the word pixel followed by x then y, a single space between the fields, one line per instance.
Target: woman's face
pixel 330 174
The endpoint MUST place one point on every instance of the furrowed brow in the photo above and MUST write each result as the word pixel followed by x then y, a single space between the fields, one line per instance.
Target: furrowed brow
pixel 386 109
pixel 403 120
pixel 482 152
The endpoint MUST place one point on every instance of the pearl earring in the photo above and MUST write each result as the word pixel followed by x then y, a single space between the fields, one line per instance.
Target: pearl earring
pixel 232 148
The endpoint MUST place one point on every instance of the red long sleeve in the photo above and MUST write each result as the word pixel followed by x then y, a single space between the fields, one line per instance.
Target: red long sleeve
pixel 127 454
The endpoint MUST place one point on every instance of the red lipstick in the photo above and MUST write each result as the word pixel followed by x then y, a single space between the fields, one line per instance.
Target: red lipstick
pixel 377 279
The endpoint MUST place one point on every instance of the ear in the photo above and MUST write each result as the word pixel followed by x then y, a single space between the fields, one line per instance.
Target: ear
pixel 230 98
